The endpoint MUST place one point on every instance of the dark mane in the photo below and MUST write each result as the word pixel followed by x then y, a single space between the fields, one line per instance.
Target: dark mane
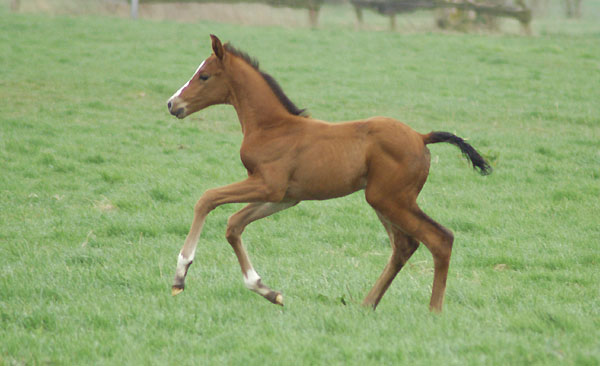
pixel 287 103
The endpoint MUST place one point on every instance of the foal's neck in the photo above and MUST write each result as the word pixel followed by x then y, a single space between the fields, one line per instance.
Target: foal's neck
pixel 256 104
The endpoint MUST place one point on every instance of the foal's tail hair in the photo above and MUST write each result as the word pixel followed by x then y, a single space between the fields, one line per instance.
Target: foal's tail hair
pixel 468 151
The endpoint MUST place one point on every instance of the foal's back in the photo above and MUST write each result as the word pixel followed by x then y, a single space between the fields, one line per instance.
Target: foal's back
pixel 335 159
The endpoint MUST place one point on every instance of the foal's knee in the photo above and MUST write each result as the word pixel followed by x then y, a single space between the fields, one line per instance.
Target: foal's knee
pixel 205 204
pixel 448 238
pixel 233 231
pixel 443 250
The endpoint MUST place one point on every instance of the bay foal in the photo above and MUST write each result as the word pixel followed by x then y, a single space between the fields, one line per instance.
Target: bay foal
pixel 290 157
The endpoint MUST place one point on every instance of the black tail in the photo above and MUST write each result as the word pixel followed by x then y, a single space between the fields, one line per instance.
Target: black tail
pixel 469 151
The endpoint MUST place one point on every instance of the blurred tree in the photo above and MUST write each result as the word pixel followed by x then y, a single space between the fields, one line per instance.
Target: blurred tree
pixel 573 8
pixel 538 7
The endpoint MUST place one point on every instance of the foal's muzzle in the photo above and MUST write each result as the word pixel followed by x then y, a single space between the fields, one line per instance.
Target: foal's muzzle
pixel 178 112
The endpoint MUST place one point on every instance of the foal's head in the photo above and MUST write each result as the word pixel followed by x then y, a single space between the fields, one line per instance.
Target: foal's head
pixel 212 82
pixel 205 88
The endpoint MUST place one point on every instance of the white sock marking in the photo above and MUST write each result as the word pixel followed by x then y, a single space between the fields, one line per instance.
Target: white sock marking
pixel 182 264
pixel 251 279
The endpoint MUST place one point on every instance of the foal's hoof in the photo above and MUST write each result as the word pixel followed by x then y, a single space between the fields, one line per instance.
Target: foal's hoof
pixel 275 297
pixel 279 299
pixel 176 290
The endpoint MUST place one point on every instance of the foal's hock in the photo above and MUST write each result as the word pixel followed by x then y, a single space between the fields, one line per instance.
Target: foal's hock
pixel 291 157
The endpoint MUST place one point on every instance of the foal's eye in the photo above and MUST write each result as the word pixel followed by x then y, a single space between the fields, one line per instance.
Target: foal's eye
pixel 203 77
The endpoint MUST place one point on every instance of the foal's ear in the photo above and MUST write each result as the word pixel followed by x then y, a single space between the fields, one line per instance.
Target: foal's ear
pixel 217 47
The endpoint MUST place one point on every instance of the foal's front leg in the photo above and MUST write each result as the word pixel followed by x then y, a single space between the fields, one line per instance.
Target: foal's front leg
pixel 235 226
pixel 252 189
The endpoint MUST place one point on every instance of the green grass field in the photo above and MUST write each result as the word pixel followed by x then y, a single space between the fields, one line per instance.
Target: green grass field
pixel 98 184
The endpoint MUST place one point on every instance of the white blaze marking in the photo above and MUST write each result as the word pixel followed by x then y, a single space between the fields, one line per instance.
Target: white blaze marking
pixel 178 92
pixel 199 67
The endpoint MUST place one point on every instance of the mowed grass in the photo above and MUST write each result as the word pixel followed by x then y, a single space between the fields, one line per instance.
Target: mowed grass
pixel 98 184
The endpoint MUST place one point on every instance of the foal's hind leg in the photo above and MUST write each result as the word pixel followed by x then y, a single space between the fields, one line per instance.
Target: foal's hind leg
pixel 402 211
pixel 403 247
pixel 235 226
pixel 434 236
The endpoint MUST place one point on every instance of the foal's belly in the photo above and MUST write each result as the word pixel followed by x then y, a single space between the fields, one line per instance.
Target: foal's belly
pixel 328 173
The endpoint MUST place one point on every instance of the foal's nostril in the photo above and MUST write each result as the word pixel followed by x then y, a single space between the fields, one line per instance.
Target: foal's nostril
pixel 169 105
